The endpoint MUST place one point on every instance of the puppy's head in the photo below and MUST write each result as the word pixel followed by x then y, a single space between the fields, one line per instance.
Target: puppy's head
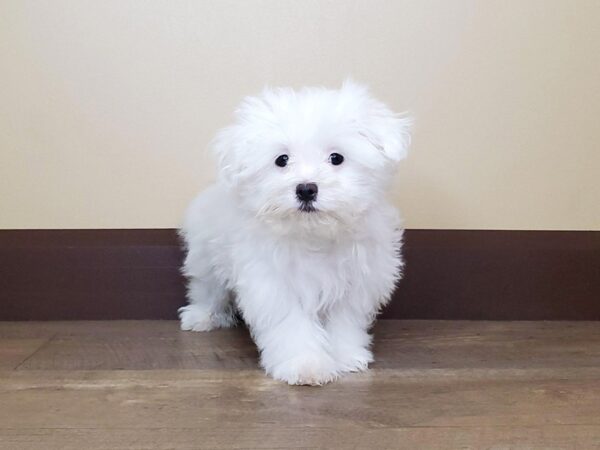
pixel 313 158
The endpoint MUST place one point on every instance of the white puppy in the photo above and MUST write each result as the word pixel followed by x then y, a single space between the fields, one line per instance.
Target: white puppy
pixel 297 234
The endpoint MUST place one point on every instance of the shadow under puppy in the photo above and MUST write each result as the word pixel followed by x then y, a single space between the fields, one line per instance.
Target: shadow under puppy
pixel 297 233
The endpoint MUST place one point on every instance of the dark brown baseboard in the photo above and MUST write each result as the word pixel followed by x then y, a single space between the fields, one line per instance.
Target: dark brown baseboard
pixel 450 274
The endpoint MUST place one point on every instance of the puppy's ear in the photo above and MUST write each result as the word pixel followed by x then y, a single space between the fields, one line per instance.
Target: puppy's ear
pixel 225 146
pixel 385 130
pixel 233 144
pixel 388 132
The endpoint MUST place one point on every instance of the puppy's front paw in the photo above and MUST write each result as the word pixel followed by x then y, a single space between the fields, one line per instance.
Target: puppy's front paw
pixel 309 369
pixel 353 359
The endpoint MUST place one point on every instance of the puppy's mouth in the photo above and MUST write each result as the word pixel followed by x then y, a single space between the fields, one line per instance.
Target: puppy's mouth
pixel 307 207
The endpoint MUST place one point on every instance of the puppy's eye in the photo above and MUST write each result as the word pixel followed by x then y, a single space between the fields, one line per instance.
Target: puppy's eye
pixel 281 160
pixel 336 159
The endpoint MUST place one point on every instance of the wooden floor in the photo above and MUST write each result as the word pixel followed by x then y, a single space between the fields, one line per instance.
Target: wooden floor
pixel 435 385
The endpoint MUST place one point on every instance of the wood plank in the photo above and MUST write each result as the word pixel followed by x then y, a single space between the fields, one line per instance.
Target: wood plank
pixel 482 344
pixel 40 329
pixel 550 437
pixel 398 344
pixel 144 346
pixel 536 408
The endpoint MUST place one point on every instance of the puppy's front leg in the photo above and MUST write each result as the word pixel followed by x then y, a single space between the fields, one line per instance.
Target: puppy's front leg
pixel 350 341
pixel 293 345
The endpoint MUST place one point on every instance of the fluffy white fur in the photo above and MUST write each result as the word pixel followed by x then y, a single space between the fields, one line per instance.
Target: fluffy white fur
pixel 307 283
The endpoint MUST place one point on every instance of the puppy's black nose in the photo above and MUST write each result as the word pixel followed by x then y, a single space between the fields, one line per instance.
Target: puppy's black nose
pixel 307 192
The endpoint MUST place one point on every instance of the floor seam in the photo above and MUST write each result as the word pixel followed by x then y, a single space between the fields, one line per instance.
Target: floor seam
pixel 50 339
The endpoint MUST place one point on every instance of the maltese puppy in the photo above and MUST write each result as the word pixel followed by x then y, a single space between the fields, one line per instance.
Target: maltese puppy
pixel 297 234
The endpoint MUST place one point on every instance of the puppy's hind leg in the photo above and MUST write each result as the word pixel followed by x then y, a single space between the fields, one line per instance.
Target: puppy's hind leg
pixel 210 306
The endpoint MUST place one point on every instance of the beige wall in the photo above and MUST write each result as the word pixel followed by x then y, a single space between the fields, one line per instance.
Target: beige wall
pixel 106 107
